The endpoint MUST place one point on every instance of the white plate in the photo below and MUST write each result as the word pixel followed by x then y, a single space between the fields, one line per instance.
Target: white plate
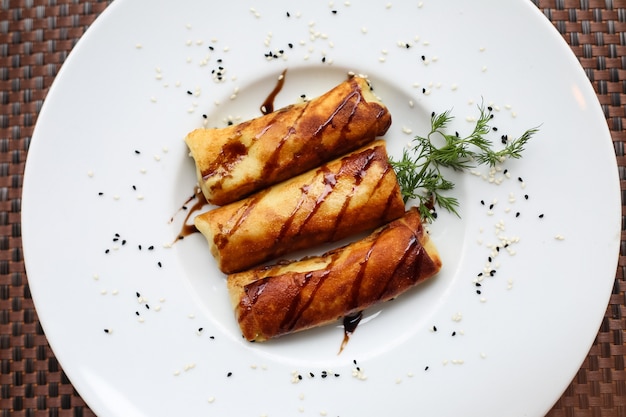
pixel 125 89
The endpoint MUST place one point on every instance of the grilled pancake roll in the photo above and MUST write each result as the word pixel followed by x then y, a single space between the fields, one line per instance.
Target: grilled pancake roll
pixel 356 193
pixel 236 161
pixel 285 298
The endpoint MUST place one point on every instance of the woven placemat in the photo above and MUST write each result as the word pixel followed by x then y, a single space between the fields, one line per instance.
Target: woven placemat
pixel 36 37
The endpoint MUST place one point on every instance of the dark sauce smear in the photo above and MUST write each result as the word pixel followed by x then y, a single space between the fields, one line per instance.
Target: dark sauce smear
pixel 268 105
pixel 189 229
pixel 350 324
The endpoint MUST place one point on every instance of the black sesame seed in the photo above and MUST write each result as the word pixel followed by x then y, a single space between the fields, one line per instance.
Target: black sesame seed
pixel 334 12
pixel 541 216
pixel 204 116
pixel 134 187
pixel 115 239
pixel 139 246
pixel 107 330
pixel 323 59
pixel 137 313
pixel 211 48
pixel 101 193
pixel 495 129
pixel 311 374
pixel 520 179
pixel 137 294
pixel 219 61
pixel 159 264
pixel 482 202
pixel 288 15
pixel 434 328
pixel 426 369
pixel 300 377
pixel 290 45
pixel 517 214
pixel 506 171
pixel 189 92
pixel 492 272
pixel 137 152
pixel 490 206
pixel 212 337
pixel 200 329
pixel 457 134
pixel 147 307
pixel 150 247
pixel 480 274
pixel 423 58
pixel 106 251
pixel 453 333
pixel 478 292
pixel 423 90
pixel 229 374
pixel 526 196
pixel 337 375
pixel 478 284
pixel 489 258
pixel 354 361
pixel 489 108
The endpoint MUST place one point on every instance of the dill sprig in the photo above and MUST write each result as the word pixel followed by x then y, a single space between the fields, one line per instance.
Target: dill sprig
pixel 420 170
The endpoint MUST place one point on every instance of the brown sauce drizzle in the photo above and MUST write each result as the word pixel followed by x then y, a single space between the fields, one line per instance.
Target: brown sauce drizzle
pixel 350 324
pixel 268 105
pixel 189 229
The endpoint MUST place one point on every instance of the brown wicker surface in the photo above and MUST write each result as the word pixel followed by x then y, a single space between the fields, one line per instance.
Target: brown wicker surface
pixel 35 38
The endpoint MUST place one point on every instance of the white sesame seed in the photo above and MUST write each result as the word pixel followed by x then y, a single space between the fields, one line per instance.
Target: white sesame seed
pixel 211 400
pixel 406 130
pixel 364 29
pixel 116 197
pixel 483 355
pixel 90 174
pixel 176 373
pixel 138 46
pixel 153 99
pixel 103 292
pixel 559 237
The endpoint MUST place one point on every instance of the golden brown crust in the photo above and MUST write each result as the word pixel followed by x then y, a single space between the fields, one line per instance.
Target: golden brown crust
pixel 236 161
pixel 276 300
pixel 352 194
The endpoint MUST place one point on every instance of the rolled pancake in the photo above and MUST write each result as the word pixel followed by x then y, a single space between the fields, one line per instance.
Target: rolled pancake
pixel 349 195
pixel 285 298
pixel 236 161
